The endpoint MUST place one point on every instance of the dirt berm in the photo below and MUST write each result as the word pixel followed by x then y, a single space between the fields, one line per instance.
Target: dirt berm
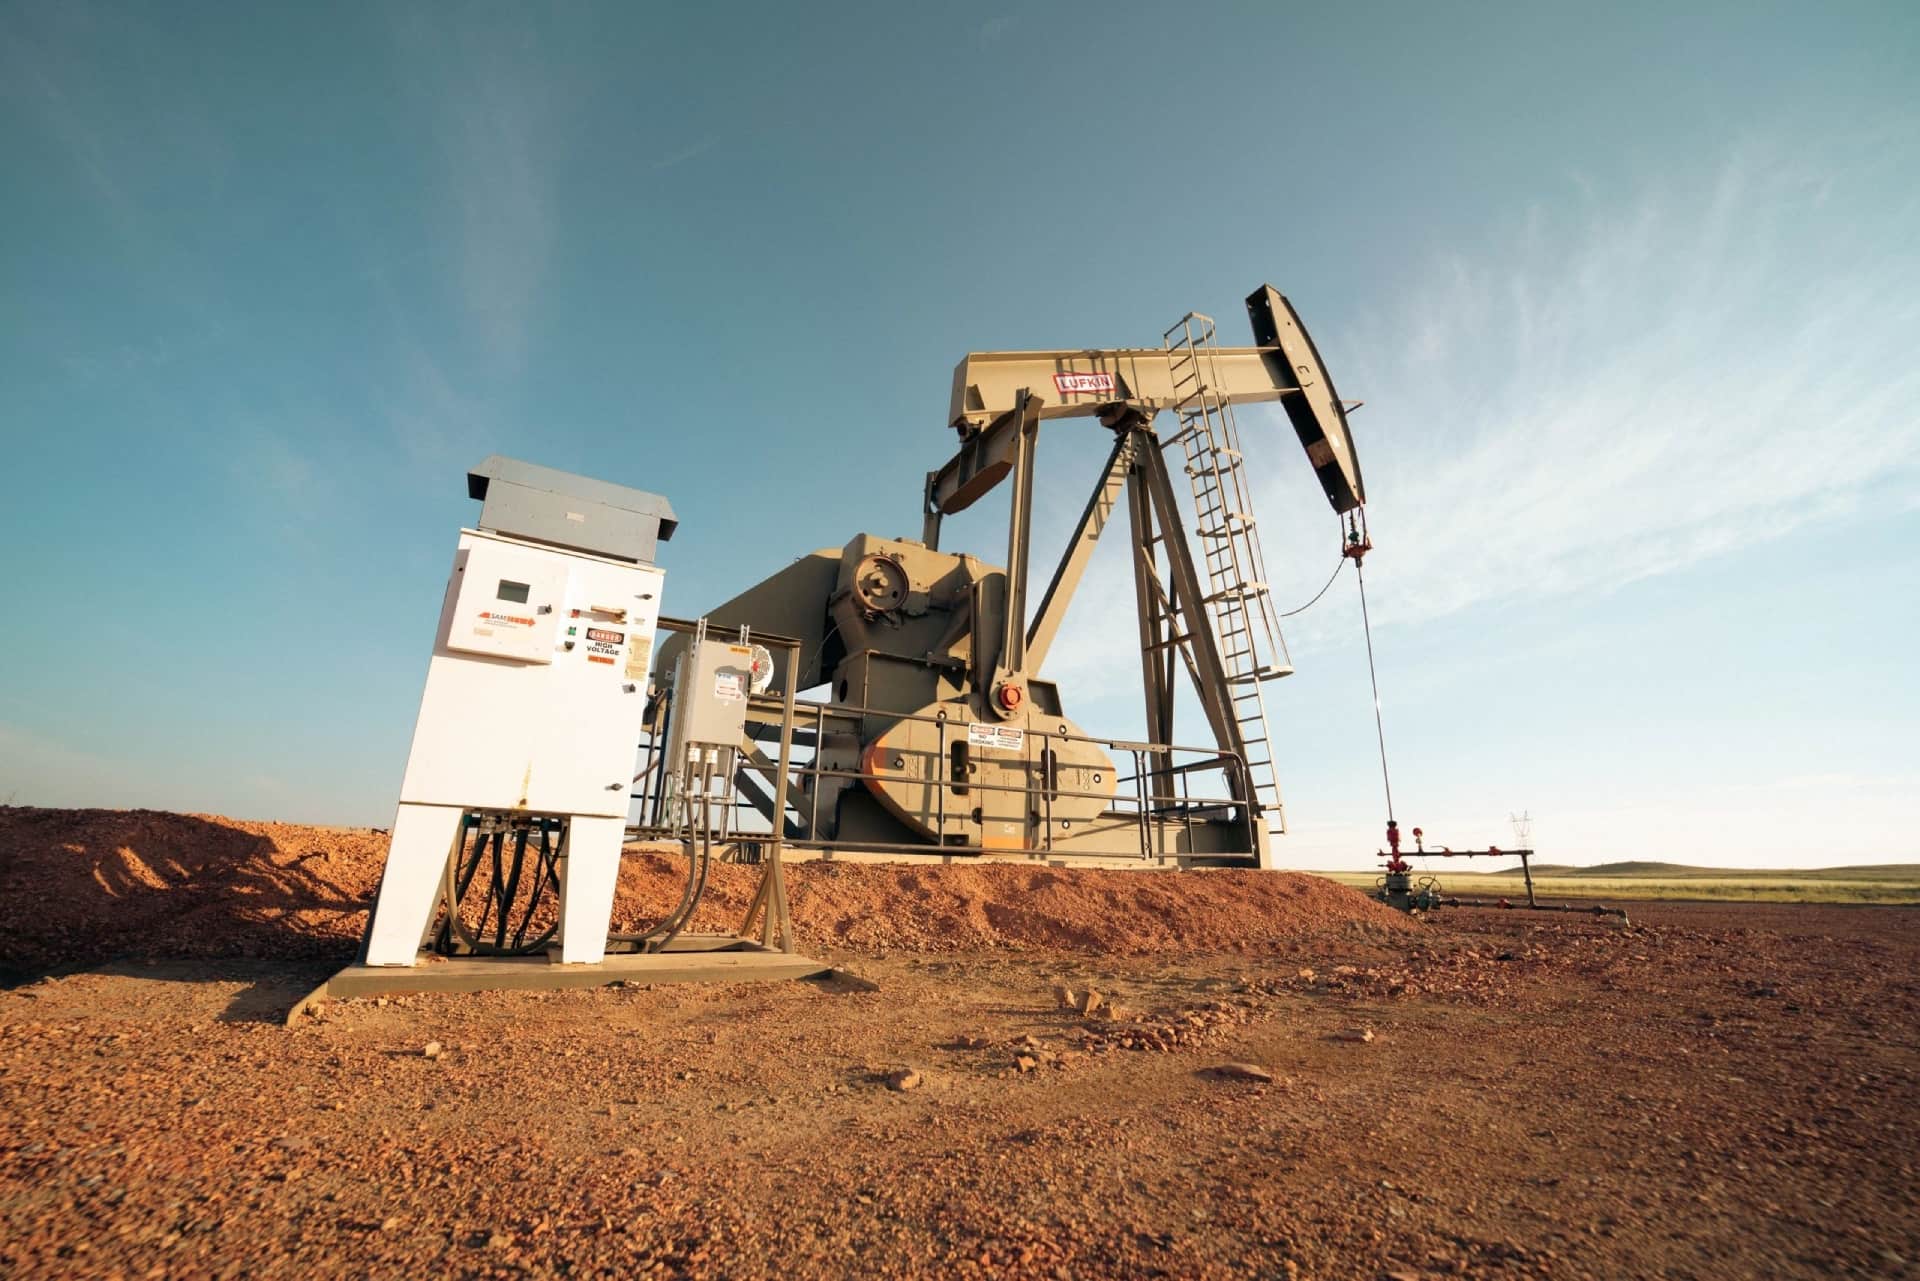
pixel 81 887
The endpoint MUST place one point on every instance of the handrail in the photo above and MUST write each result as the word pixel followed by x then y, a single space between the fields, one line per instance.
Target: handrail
pixel 779 712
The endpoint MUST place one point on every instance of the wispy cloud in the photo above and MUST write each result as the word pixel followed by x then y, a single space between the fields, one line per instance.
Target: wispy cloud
pixel 1598 394
pixel 680 155
pixel 1603 392
pixel 434 423
pixel 994 29
pixel 52 79
pixel 1619 392
pixel 494 106
pixel 36 77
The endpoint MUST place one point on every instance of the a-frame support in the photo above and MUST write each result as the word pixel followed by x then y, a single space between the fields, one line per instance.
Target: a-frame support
pixel 1169 604
pixel 1173 617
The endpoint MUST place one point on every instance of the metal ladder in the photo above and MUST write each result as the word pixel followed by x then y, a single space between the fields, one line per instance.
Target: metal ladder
pixel 1238 603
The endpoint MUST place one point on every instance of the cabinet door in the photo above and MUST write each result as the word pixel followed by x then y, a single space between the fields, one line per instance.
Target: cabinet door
pixel 508 604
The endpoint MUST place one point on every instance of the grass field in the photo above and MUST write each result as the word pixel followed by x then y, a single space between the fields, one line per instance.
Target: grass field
pixel 1890 883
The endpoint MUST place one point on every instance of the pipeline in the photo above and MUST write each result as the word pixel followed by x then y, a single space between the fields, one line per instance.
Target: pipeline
pixel 1503 905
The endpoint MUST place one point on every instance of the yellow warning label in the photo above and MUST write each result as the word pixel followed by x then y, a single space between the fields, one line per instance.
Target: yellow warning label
pixel 637 657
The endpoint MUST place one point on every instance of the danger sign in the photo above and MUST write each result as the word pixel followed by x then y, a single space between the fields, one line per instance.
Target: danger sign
pixel 1009 738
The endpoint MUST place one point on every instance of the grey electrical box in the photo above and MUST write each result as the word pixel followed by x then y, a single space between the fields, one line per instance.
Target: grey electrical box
pixel 710 688
pixel 524 500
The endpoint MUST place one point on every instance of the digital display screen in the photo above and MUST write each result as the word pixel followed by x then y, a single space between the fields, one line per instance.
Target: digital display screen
pixel 515 592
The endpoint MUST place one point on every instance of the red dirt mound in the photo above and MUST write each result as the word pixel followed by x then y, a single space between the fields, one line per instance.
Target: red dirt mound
pixel 79 887
pixel 952 908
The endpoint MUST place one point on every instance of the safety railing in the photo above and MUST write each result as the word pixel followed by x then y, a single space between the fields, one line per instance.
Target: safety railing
pixel 1161 798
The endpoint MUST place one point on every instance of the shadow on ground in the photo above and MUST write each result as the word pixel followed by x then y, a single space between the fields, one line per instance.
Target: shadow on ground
pixel 82 889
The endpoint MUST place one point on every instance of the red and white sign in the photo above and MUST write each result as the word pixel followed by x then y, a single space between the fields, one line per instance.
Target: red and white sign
pixel 1006 738
pixel 1076 384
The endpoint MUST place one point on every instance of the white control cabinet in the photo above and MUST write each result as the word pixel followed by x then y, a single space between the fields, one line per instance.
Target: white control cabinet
pixel 534 702
pixel 538 684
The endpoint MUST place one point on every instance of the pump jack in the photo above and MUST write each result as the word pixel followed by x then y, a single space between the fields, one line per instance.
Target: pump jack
pixel 941 735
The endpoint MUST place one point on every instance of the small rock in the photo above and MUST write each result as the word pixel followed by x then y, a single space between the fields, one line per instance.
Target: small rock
pixel 388 1225
pixel 1240 1072
pixel 1063 996
pixel 431 1050
pixel 1025 1062
pixel 1354 1034
pixel 903 1079
pixel 292 1143
pixel 1306 976
pixel 1091 1002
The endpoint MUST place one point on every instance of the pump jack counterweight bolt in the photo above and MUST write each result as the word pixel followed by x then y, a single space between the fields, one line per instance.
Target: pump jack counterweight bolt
pixel 1009 696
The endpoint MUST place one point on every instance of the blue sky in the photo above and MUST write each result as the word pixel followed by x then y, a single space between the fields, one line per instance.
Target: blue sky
pixel 1633 298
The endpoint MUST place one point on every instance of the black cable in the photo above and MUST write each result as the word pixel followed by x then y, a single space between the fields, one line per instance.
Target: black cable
pixel 510 891
pixel 508 938
pixel 1322 592
pixel 495 884
pixel 544 869
pixel 697 876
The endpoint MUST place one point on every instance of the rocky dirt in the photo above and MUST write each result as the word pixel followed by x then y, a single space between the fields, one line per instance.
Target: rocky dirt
pixel 1058 1076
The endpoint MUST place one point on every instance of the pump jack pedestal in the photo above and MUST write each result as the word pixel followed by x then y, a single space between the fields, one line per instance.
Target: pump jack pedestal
pixel 690 958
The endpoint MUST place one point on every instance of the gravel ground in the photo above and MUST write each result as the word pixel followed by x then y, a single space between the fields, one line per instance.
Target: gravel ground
pixel 1713 1092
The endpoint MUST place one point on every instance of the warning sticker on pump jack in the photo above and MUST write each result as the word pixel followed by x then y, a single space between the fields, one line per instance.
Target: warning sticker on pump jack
pixel 605 637
pixel 731 686
pixel 1005 737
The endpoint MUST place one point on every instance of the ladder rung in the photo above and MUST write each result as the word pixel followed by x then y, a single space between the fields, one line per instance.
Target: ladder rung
pixel 1262 674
